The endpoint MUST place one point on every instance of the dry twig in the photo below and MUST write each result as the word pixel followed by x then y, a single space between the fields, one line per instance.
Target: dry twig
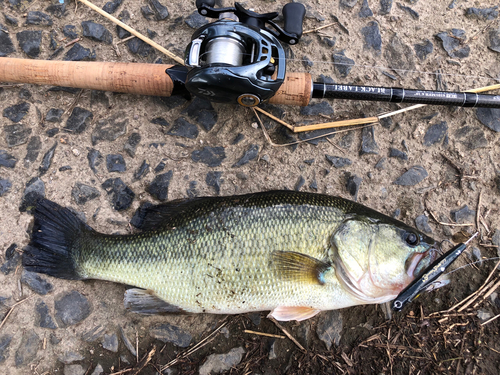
pixel 287 334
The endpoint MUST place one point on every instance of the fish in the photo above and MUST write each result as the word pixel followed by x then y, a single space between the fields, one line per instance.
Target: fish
pixel 294 254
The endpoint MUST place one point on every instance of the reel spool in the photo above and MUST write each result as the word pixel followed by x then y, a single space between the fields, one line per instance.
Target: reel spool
pixel 238 59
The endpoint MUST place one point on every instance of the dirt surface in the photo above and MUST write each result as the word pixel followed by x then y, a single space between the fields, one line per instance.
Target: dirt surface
pixel 414 341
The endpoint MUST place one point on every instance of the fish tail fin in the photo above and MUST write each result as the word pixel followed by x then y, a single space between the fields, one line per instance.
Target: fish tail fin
pixel 55 241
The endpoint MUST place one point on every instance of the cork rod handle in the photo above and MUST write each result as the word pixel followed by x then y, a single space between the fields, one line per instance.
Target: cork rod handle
pixel 296 90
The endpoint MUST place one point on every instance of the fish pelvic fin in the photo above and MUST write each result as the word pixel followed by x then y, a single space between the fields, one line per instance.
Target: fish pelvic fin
pixel 54 246
pixel 298 267
pixel 298 313
pixel 144 301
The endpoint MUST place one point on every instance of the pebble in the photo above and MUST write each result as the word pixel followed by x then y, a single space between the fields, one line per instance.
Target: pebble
pixel 395 153
pixel 195 20
pixel 191 191
pixel 217 363
pixel 16 112
pixel 57 10
pixel 110 342
pixel 239 137
pixel 307 62
pixel 211 156
pixel 338 162
pixel 472 137
pixel 385 7
pixel 78 121
pixel 111 6
pixel 95 159
pixel 35 189
pixel 82 193
pixel 311 137
pixel 322 108
pixel 160 10
pixel 130 146
pixel 127 342
pixel 313 185
pixel 142 171
pixel 29 41
pixel 109 129
pixel 74 370
pixel 368 143
pixel 115 163
pixel 399 56
pixel 348 3
pixel 495 240
pixel 54 115
pixel 422 223
pixel 168 333
pixel 347 140
pixel 452 44
pixel 38 18
pixel 36 283
pixel 147 12
pixel 71 308
pixel 412 176
pixel 494 37
pixel 299 184
pixel 372 37
pixel 79 53
pixel 475 256
pixel 11 20
pixel 343 64
pixel 160 167
pixel 6 45
pixel 10 264
pixel 121 195
pixel 28 348
pixel 463 215
pixel 365 10
pixel 484 14
pixel 47 160
pixel 16 134
pixel 353 184
pixel 484 314
pixel 69 357
pixel 329 328
pixel 202 112
pixel 183 128
pixel 124 16
pixel 251 153
pixel 413 13
pixel 97 32
pixel 140 48
pixel 4 347
pixel 489 117
pixel 214 180
pixel 158 188
pixel 436 133
pixel 44 319
pixel 423 50
pixel 94 334
pixel 9 253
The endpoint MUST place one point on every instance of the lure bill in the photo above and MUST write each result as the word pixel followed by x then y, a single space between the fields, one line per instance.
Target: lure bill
pixel 435 270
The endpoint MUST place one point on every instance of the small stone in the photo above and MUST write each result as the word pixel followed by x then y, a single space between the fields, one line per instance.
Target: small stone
pixel 211 156
pixel 322 108
pixel 111 6
pixel 6 45
pixel 365 10
pixel 131 145
pixel 121 195
pixel 11 264
pixel 413 176
pixel 4 346
pixel 5 186
pixel 368 143
pixel 472 137
pixel 347 140
pixel 69 357
pixel 71 308
pixel 44 319
pixel 475 256
pixel 329 328
pixel 115 163
pixel 16 134
pixel 57 10
pixel 485 14
pixel 399 56
pixel 343 64
pixel 300 182
pixel 413 13
pixel 47 160
pixel 29 41
pixel 82 193
pixel 109 129
pixel 435 133
pixel 142 171
pixel 160 10
pixel 94 334
pixel 35 189
pixel 160 167
pixel 313 185
pixel 36 283
pixel 452 44
pixel 484 314
pixel 16 112
pixel 494 37
pixel 54 340
pixel 463 215
pixel 79 53
pixel 203 112
pixel 251 153
pixel 9 253
pixel 74 370
pixel 78 121
pixel 422 223
pixel 54 115
pixel 307 62
pixel 124 16
pixel 97 32
pixel 214 180
pixel 140 48
pixel 353 184
pixel 372 37
pixel 38 18
pixel 385 7
pixel 395 153
pixel 158 188
pixel 423 50
pixel 52 132
pixel 11 20
pixel 348 3
pixel 217 363
pixel 312 136
pixel 489 117
pixel 183 128
pixel 95 159
pixel 110 342
pixel 28 348
pixel 338 162
pixel 495 240
pixel 195 20
pixel 168 333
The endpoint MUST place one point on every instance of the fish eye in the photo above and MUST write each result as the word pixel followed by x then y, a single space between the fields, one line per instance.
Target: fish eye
pixel 411 238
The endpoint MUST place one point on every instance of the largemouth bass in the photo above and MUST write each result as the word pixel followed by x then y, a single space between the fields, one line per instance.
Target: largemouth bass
pixel 293 253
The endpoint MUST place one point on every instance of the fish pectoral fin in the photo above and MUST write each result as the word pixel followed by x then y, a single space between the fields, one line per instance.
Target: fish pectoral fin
pixel 298 313
pixel 299 267
pixel 144 301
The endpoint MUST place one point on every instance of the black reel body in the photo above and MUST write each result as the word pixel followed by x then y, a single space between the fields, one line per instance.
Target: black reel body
pixel 239 62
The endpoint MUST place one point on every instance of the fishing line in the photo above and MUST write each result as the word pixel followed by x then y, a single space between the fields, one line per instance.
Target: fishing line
pixel 470 264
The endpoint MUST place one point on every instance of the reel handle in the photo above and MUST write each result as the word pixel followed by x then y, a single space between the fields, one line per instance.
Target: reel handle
pixel 293 14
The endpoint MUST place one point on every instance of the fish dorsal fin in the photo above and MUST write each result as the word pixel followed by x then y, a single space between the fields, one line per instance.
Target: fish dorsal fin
pixel 299 267
pixel 142 301
pixel 298 313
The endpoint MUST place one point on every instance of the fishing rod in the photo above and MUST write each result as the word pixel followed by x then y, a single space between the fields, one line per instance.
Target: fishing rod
pixel 238 59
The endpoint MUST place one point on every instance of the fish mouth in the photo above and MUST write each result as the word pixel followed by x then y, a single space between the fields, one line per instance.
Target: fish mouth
pixel 417 263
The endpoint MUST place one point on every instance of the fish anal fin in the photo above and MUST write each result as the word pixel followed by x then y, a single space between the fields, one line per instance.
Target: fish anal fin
pixel 142 301
pixel 298 313
pixel 299 267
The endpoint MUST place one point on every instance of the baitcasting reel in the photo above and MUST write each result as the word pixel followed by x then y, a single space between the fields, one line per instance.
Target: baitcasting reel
pixel 238 59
